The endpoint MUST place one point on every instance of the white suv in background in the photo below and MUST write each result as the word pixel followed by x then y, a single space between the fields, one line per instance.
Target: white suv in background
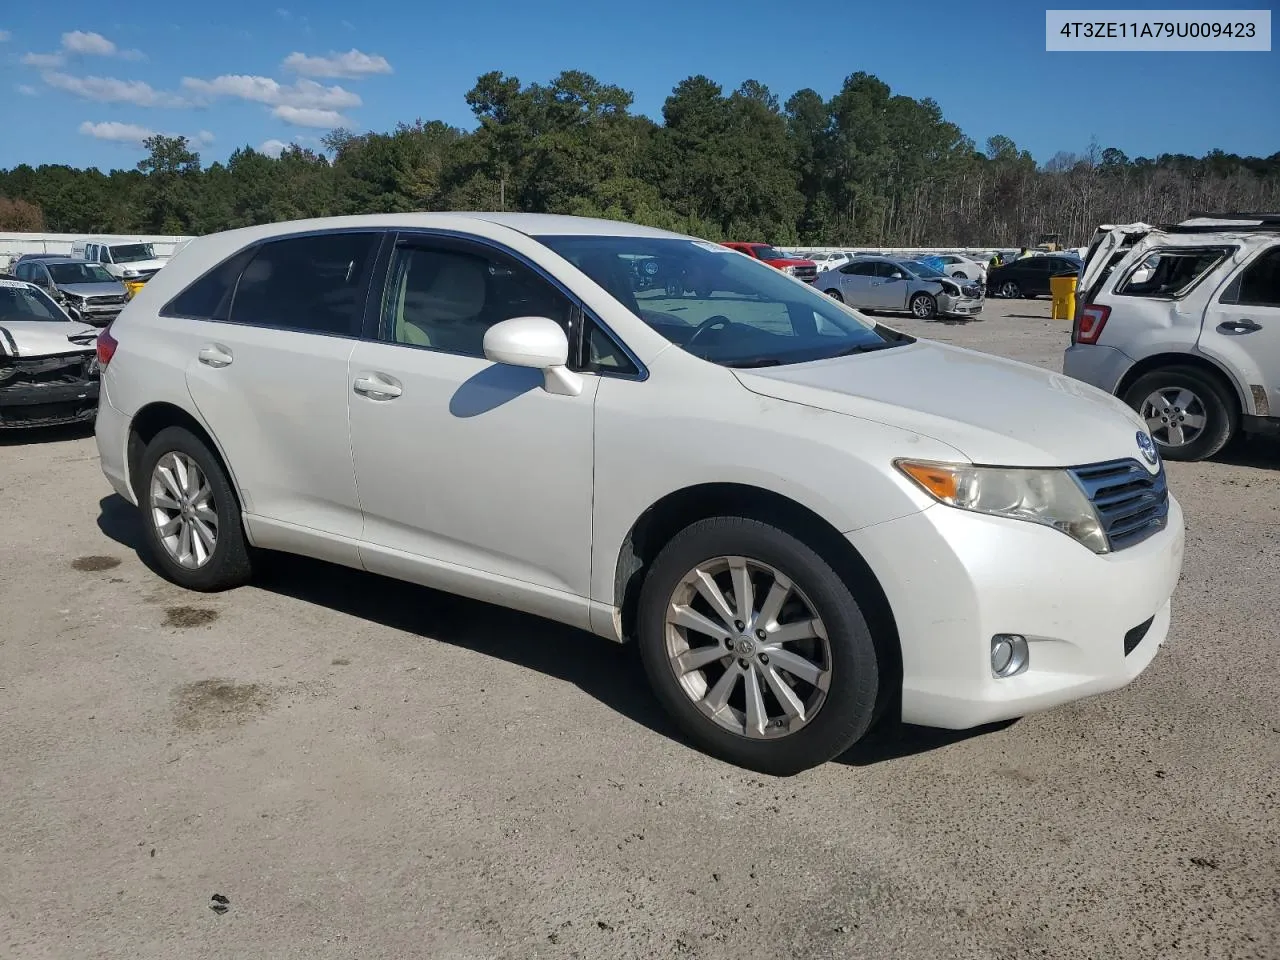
pixel 777 498
pixel 1184 325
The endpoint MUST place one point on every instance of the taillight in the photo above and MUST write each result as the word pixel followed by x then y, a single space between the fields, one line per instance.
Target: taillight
pixel 1089 323
pixel 106 346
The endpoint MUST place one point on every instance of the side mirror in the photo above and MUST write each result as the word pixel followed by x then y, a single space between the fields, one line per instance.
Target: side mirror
pixel 536 342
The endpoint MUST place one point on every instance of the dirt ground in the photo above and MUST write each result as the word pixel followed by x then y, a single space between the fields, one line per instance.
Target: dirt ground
pixel 366 769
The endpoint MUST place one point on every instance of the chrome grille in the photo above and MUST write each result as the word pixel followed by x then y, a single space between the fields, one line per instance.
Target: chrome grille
pixel 1131 502
pixel 972 290
pixel 807 274
pixel 109 301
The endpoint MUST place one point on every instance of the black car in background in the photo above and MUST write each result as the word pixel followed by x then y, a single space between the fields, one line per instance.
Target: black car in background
pixel 1029 277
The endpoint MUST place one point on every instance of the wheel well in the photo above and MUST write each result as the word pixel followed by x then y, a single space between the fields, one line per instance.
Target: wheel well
pixel 1159 360
pixel 662 521
pixel 153 418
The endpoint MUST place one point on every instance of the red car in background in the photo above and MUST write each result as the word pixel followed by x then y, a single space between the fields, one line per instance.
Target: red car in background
pixel 805 270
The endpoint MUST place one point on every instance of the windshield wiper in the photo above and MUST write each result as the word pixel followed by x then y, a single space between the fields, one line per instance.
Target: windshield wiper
pixel 754 362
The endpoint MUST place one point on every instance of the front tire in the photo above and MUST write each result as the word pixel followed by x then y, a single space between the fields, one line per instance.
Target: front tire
pixel 190 516
pixel 1190 416
pixel 756 647
pixel 1010 290
pixel 924 306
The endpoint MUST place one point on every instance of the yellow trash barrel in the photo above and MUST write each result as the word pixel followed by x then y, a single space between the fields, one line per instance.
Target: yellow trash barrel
pixel 131 288
pixel 1064 297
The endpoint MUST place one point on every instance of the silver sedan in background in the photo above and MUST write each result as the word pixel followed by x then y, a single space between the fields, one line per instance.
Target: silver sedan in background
pixel 907 286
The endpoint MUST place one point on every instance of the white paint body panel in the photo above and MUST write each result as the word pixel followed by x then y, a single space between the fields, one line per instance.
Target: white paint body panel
pixel 476 480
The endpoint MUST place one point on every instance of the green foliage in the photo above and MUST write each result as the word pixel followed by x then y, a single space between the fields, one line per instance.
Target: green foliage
pixel 865 167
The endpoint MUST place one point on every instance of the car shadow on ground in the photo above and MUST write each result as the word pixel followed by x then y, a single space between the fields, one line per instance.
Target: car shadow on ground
pixel 1252 451
pixel 21 436
pixel 608 672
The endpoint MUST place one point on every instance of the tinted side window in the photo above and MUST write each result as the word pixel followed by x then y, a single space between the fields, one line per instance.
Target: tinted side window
pixel 313 283
pixel 885 269
pixel 209 298
pixel 445 297
pixel 1259 285
pixel 857 269
pixel 22 270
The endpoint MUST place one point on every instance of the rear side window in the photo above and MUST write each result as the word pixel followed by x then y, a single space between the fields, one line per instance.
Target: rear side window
pixel 209 298
pixel 1259 285
pixel 314 283
pixel 1171 273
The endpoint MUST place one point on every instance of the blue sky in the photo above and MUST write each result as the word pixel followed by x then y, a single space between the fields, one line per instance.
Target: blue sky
pixel 81 82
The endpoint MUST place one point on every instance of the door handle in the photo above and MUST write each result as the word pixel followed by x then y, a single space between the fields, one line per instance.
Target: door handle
pixel 1239 326
pixel 377 387
pixel 215 355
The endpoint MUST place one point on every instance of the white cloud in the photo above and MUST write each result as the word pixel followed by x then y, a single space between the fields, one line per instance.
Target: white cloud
pixel 116 131
pixel 353 63
pixel 272 148
pixel 27 90
pixel 308 116
pixel 303 93
pixel 90 44
pixel 111 90
pixel 5 36
pixel 43 59
pixel 205 137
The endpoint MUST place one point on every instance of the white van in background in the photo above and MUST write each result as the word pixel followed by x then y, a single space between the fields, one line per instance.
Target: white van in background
pixel 124 258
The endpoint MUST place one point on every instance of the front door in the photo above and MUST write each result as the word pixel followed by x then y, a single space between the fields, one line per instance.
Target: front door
pixel 888 289
pixel 468 468
pixel 1242 326
pixel 268 373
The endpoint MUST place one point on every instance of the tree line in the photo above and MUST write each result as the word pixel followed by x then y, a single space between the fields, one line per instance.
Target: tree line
pixel 865 167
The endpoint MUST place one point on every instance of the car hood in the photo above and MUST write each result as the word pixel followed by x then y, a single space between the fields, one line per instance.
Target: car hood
pixel 113 288
pixel 45 338
pixel 992 410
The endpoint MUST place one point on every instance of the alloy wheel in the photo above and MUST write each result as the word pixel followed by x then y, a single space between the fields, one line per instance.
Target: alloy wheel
pixel 1175 416
pixel 183 510
pixel 747 647
pixel 1009 289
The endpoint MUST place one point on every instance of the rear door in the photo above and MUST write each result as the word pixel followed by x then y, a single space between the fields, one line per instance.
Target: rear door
pixel 268 373
pixel 1242 327
pixel 1034 277
pixel 855 282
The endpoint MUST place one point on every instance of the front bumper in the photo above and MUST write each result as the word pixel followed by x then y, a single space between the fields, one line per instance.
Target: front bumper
pixel 1097 365
pixel 953 306
pixel 94 316
pixel 955 578
pixel 47 404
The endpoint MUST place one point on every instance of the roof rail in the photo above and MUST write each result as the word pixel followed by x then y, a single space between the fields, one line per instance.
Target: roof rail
pixel 1260 217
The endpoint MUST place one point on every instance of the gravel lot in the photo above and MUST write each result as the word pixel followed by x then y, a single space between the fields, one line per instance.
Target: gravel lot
pixel 369 769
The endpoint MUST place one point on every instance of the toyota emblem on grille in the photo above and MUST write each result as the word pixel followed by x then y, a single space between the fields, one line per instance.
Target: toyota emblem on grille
pixel 1148 447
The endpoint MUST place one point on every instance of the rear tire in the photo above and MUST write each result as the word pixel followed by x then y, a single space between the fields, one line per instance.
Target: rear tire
pixel 834 295
pixel 1181 400
pixel 1010 290
pixel 190 515
pixel 831 645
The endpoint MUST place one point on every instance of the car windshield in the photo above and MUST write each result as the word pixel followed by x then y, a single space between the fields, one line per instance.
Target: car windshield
pixel 725 309
pixel 20 302
pixel 923 270
pixel 132 253
pixel 769 253
pixel 78 273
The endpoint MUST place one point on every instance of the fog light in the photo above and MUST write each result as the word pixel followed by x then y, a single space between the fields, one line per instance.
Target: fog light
pixel 1009 655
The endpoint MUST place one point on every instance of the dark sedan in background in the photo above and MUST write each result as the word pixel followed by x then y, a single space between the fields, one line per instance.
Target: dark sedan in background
pixel 1029 277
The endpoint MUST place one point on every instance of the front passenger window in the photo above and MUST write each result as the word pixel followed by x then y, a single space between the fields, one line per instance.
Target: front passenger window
pixel 445 298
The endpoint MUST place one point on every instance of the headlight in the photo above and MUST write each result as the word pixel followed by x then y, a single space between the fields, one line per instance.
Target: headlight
pixel 1049 497
pixel 131 273
pixel 789 271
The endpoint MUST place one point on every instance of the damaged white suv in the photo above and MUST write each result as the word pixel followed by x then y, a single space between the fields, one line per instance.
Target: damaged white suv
pixel 1183 324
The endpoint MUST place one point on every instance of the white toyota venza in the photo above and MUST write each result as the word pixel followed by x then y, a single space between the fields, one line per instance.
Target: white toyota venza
pixel 805 519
